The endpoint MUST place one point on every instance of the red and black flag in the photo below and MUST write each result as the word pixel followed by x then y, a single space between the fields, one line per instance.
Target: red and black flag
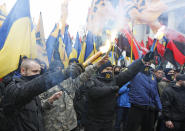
pixel 125 41
pixel 175 52
pixel 124 45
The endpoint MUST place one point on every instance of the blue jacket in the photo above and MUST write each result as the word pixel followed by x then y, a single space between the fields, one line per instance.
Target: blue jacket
pixel 123 99
pixel 143 91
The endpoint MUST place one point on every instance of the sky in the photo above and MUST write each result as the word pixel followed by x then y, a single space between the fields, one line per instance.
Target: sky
pixel 51 13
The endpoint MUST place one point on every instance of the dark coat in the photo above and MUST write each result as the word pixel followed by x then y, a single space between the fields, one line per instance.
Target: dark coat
pixel 21 105
pixel 173 102
pixel 102 94
pixel 24 114
pixel 101 99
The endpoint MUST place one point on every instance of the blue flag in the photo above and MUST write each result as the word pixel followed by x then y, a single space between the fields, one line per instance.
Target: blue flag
pixel 67 42
pixel 16 37
pixel 51 42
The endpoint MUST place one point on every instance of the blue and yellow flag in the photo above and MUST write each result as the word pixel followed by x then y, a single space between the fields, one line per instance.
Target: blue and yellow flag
pixel 82 53
pixel 90 46
pixel 40 40
pixel 62 51
pixel 40 32
pixel 67 42
pixel 15 37
pixel 33 46
pixel 3 14
pixel 51 42
pixel 77 48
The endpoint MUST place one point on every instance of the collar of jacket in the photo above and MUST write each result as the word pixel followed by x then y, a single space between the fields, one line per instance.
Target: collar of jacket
pixel 178 87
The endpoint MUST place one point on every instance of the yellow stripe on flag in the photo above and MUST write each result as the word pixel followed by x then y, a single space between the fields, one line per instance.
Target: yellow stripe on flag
pixel 17 43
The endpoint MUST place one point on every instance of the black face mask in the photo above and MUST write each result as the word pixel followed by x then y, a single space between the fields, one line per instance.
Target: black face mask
pixel 31 77
pixel 107 76
pixel 116 72
pixel 146 70
pixel 170 77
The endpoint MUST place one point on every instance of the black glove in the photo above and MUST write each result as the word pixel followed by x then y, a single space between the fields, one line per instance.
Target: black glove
pixel 149 56
pixel 115 88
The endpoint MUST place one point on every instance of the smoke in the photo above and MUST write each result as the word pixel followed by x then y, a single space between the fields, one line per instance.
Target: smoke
pixel 174 20
pixel 106 16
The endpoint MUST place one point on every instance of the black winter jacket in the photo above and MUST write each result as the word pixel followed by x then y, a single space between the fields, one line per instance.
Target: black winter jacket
pixel 102 94
pixel 21 105
pixel 173 103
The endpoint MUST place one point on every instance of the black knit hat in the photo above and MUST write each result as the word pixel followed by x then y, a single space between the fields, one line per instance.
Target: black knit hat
pixel 73 60
pixel 180 77
pixel 167 70
pixel 102 67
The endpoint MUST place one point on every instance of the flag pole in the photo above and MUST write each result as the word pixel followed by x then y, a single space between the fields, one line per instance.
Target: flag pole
pixel 131 56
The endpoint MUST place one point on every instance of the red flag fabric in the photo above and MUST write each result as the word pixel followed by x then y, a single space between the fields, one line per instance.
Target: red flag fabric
pixel 132 41
pixel 178 50
pixel 160 49
pixel 149 44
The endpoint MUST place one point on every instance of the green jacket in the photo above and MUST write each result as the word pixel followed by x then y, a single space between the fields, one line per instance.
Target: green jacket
pixel 61 116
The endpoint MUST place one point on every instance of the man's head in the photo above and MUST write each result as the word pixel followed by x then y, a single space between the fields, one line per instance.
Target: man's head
pixel 30 67
pixel 107 67
pixel 147 63
pixel 117 70
pixel 159 73
pixel 180 78
pixel 170 74
pixel 42 65
pixel 123 63
pixel 106 71
pixel 146 69
pixel 73 60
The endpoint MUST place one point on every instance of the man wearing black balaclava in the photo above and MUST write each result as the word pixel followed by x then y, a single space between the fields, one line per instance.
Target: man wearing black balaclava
pixel 20 103
pixel 169 74
pixel 117 70
pixel 173 103
pixel 102 90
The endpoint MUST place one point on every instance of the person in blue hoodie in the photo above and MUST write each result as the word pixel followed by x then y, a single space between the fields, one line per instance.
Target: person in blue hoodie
pixel 144 99
pixel 123 108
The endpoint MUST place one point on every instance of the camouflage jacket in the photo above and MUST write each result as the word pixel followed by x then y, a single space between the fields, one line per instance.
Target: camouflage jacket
pixel 61 116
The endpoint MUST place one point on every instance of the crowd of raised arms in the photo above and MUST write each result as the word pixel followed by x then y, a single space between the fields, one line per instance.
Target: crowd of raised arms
pixel 100 97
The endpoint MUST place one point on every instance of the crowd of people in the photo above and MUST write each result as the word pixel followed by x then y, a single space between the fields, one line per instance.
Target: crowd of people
pixel 99 97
